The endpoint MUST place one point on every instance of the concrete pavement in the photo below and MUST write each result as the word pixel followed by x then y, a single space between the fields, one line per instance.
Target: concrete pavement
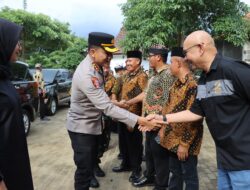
pixel 53 167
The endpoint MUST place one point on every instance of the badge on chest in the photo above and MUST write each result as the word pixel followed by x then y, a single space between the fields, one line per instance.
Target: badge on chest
pixel 95 82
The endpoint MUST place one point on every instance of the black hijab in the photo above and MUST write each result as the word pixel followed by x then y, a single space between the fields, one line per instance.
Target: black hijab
pixel 9 36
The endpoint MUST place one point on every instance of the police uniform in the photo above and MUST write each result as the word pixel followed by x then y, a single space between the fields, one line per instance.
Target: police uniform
pixel 88 102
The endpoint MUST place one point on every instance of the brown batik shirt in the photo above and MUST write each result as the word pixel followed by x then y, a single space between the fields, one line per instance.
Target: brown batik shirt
pixel 189 134
pixel 133 85
pixel 109 84
pixel 156 94
pixel 117 87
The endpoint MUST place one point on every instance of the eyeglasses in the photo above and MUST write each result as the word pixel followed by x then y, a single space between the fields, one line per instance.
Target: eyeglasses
pixel 188 49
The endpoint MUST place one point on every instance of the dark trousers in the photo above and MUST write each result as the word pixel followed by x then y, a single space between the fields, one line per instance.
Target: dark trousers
pixel 183 172
pixel 42 106
pixel 104 138
pixel 157 161
pixel 85 154
pixel 122 143
pixel 134 149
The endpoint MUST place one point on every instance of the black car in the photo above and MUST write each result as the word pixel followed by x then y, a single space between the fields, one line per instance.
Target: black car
pixel 57 87
pixel 28 91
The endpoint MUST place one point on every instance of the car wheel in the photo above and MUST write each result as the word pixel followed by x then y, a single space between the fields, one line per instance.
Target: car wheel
pixel 26 121
pixel 53 106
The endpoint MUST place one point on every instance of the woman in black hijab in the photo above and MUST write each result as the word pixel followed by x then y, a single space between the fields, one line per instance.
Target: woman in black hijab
pixel 15 171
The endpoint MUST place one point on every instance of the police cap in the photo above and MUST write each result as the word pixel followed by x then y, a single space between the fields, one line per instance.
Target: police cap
pixel 106 41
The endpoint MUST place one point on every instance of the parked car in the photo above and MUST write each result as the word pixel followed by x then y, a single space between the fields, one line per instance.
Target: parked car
pixel 28 90
pixel 57 86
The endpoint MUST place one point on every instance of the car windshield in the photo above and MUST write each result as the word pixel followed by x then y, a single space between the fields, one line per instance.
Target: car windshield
pixel 48 74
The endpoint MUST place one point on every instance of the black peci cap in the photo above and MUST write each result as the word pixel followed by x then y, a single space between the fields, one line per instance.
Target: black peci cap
pixel 118 68
pixel 134 54
pixel 177 51
pixel 103 40
pixel 158 49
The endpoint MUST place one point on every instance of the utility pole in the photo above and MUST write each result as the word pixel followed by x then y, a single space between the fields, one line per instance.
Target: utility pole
pixel 24 5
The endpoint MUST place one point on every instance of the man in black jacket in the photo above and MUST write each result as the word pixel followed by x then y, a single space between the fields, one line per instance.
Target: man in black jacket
pixel 15 171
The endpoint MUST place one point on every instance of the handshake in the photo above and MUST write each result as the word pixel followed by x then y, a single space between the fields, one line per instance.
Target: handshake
pixel 151 123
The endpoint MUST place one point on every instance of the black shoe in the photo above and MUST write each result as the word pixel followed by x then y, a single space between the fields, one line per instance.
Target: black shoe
pixel 135 176
pixel 121 169
pixel 45 119
pixel 144 181
pixel 94 183
pixel 98 171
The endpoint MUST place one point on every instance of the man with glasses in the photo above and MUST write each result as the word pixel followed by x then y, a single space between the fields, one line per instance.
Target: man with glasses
pixel 88 102
pixel 154 98
pixel 223 99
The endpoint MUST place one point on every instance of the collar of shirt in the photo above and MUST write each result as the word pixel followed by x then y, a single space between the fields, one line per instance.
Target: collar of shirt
pixel 184 80
pixel 135 72
pixel 108 77
pixel 162 68
pixel 215 62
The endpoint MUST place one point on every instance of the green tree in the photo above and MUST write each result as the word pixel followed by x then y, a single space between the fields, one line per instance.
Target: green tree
pixel 167 22
pixel 45 40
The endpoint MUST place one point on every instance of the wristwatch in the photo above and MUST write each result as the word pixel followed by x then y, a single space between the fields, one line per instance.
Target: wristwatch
pixel 164 118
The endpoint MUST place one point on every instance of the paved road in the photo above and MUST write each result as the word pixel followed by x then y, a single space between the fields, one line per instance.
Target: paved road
pixel 53 167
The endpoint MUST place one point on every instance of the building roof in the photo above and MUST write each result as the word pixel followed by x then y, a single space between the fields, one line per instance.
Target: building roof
pixel 121 35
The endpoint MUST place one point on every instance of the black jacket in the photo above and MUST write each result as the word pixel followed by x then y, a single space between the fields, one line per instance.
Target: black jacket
pixel 14 157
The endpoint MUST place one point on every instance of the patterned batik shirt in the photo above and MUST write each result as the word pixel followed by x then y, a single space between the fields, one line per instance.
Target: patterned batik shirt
pixel 156 94
pixel 117 87
pixel 189 134
pixel 109 84
pixel 133 85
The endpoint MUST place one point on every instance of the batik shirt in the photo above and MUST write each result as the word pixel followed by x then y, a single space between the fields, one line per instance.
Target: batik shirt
pixel 189 134
pixel 109 83
pixel 156 94
pixel 133 85
pixel 117 87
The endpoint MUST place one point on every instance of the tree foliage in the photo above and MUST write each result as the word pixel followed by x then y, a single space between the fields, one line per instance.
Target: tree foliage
pixel 47 41
pixel 167 22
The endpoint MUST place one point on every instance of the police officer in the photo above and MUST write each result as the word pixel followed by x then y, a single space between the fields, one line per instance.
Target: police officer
pixel 88 102
pixel 38 77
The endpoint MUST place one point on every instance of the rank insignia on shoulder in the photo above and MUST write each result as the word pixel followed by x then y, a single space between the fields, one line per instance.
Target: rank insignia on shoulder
pixel 95 82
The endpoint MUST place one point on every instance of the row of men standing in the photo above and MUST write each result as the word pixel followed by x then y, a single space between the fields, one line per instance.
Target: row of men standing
pixel 89 102
pixel 154 94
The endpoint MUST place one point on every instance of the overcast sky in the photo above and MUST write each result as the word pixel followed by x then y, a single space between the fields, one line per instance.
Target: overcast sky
pixel 84 16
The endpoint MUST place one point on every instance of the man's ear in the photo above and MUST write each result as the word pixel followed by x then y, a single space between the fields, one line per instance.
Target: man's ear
pixel 92 52
pixel 179 63
pixel 138 61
